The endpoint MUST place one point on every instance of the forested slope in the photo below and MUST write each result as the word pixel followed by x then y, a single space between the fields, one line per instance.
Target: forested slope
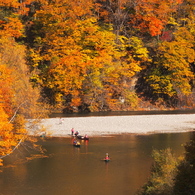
pixel 92 55
pixel 105 55
pixel 112 55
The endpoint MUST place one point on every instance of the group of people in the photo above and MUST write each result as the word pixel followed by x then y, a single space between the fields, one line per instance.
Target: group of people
pixel 76 133
pixel 75 142
pixel 73 132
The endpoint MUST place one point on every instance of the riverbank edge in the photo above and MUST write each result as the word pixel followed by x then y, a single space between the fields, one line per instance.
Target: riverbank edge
pixel 115 125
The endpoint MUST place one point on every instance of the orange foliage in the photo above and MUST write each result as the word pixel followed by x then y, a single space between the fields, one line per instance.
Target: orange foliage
pixel 153 15
pixel 11 24
pixel 20 7
pixel 6 92
pixel 10 3
pixel 13 28
pixel 6 133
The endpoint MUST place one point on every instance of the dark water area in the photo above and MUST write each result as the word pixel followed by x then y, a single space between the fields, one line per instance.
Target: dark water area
pixel 123 113
pixel 78 171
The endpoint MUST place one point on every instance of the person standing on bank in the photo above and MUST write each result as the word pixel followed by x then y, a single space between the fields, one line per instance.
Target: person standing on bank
pixel 72 131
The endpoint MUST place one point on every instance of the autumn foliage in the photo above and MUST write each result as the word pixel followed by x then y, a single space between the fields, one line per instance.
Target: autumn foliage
pixel 92 56
pixel 18 99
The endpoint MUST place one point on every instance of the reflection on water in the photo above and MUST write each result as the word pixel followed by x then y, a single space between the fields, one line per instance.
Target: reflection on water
pixel 78 171
pixel 123 113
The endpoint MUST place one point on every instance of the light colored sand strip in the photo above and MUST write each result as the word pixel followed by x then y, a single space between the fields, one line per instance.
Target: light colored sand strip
pixel 138 124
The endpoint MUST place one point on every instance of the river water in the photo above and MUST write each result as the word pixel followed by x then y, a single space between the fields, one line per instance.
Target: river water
pixel 77 171
pixel 124 113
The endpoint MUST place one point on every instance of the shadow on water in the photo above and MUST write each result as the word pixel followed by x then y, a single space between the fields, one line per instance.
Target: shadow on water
pixel 123 113
pixel 77 171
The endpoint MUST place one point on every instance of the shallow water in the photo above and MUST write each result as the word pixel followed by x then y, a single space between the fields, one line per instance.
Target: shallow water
pixel 77 171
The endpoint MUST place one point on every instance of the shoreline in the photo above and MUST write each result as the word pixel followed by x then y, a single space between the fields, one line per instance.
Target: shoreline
pixel 115 125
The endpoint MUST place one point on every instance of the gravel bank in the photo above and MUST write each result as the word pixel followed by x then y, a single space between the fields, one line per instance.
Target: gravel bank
pixel 136 124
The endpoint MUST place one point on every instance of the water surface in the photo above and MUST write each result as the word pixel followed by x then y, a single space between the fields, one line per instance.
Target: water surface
pixel 123 113
pixel 74 171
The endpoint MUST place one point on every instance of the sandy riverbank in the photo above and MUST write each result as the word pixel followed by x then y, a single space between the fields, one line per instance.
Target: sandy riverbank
pixel 136 124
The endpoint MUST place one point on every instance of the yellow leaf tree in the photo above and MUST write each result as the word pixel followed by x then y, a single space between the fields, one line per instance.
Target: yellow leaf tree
pixel 18 99
pixel 78 61
pixel 172 74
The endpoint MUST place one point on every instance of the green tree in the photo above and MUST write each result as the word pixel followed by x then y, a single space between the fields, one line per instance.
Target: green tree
pixel 185 178
pixel 171 74
pixel 163 173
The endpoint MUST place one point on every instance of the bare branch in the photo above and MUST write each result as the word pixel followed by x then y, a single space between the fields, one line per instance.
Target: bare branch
pixel 13 149
pixel 16 112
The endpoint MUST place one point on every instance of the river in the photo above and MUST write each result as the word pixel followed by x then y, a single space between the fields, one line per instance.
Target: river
pixel 123 113
pixel 77 171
